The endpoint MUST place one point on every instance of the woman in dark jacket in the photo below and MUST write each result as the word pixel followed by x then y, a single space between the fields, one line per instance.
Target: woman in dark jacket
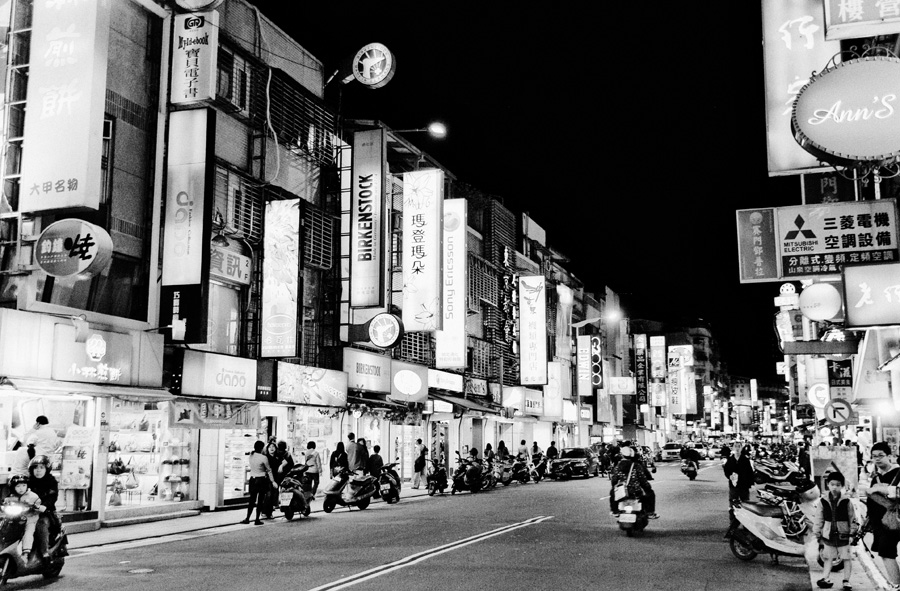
pixel 739 471
pixel 338 459
pixel 274 462
pixel 44 485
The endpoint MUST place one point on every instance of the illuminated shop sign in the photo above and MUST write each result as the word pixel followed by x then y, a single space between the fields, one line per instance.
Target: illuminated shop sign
pixel 409 382
pixel 640 368
pixel 229 266
pixel 281 272
pixel 73 247
pixel 423 201
pixel 533 329
pixel 367 371
pixel 450 341
pixel 849 112
pixel 596 363
pixel 302 384
pixel 757 245
pixel 105 358
pixel 553 399
pixel 366 274
pixel 872 293
pixel 583 359
pixel 374 65
pixel 224 376
pixel 195 48
pixel 860 18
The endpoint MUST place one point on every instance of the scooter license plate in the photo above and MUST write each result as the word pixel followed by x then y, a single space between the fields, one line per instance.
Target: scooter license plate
pixel 385 488
pixel 285 498
pixel 628 517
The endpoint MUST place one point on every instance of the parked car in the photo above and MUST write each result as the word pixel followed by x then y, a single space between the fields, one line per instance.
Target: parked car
pixel 575 461
pixel 671 451
pixel 704 451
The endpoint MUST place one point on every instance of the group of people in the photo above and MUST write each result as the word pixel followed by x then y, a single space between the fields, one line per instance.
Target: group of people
pixel 269 464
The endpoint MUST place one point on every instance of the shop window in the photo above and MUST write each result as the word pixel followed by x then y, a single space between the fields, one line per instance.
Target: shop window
pixel 70 446
pixel 224 320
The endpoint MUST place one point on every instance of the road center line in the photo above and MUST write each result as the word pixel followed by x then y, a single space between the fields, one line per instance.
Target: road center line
pixel 425 555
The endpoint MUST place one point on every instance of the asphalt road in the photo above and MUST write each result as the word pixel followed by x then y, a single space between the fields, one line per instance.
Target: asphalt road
pixel 550 535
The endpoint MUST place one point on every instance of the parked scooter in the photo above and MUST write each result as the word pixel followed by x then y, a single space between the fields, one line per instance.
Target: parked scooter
pixel 689 468
pixel 349 490
pixel 523 471
pixel 504 471
pixel 763 528
pixel 489 475
pixel 775 472
pixel 12 564
pixel 389 483
pixel 632 517
pixel 468 475
pixel 436 478
pixel 540 469
pixel 295 492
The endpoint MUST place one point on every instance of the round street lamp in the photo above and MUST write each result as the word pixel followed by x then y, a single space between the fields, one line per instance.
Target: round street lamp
pixel 435 129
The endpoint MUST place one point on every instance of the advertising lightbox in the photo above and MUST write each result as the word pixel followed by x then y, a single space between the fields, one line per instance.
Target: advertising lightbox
pixel 533 330
pixel 450 342
pixel 367 205
pixel 423 201
pixel 281 272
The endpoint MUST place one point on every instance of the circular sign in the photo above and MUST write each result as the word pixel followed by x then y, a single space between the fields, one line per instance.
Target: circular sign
pixel 851 112
pixel 820 301
pixel 838 412
pixel 407 382
pixel 818 394
pixel 72 247
pixel 385 330
pixel 374 65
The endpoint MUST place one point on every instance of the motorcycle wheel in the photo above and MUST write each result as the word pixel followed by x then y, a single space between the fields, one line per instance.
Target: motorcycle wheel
pixel 629 532
pixel 432 488
pixel 52 571
pixel 288 514
pixel 307 511
pixel 393 497
pixel 328 505
pixel 536 478
pixel 363 504
pixel 692 476
pixel 741 550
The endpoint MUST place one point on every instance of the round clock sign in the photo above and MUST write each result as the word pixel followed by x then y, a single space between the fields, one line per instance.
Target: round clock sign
pixel 374 65
pixel 385 330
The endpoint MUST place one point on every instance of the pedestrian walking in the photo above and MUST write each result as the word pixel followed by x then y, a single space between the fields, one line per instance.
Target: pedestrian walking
pixel 312 459
pixel 834 526
pixel 419 477
pixel 739 470
pixel 338 460
pixel 261 481
pixel 882 493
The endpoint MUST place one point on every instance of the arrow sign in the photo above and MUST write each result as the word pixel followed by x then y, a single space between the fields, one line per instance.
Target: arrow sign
pixel 838 412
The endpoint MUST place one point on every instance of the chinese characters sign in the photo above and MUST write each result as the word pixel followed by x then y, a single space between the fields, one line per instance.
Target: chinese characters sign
pixel 71 247
pixel 281 271
pixel 640 368
pixel 229 265
pixel 423 199
pixel 872 294
pixel 533 329
pixel 105 358
pixel 853 19
pixel 756 245
pixel 366 274
pixel 450 341
pixel 65 105
pixel 658 357
pixel 794 45
pixel 195 48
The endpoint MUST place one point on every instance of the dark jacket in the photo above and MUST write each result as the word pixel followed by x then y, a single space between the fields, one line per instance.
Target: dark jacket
pixel 338 460
pixel 638 482
pixel 552 453
pixel 47 488
pixel 374 465
pixel 874 510
pixel 742 467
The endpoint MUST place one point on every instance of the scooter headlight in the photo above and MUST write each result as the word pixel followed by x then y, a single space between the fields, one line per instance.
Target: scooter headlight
pixel 13 510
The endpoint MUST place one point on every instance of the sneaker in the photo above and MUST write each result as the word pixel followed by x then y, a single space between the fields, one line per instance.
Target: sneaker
pixel 824 584
pixel 245 521
pixel 614 514
pixel 258 522
pixel 653 516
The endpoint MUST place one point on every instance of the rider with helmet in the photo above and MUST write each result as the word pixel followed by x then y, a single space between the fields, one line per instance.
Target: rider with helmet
pixel 47 488
pixel 690 453
pixel 21 494
pixel 638 483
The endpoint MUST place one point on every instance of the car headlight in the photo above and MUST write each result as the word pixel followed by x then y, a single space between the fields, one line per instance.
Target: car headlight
pixel 582 462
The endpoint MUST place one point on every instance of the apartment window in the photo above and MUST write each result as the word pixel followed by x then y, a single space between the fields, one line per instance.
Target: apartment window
pixel 238 210
pixel 233 80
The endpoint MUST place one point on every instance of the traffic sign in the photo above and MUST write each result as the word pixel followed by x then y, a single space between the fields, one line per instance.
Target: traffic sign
pixel 838 412
pixel 818 394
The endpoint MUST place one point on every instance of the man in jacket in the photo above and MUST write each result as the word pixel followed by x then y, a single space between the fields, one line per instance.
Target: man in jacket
pixel 739 471
pixel 357 455
pixel 884 488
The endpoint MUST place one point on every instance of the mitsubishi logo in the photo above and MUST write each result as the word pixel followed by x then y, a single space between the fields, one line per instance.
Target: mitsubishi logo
pixel 792 235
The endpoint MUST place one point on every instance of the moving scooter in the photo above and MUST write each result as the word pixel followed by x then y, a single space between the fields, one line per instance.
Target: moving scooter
pixel 12 564
pixel 436 478
pixel 689 468
pixel 389 483
pixel 295 492
pixel 632 517
pixel 349 490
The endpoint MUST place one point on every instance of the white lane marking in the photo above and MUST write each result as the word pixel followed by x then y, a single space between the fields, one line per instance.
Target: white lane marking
pixel 424 555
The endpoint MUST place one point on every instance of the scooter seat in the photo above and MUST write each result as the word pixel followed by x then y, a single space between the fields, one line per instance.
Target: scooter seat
pixel 784 490
pixel 762 509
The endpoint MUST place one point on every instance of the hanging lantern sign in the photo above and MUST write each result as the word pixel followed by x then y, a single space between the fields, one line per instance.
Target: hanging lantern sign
pixel 73 247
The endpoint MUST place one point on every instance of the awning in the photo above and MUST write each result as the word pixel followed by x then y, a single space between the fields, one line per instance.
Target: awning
pixel 375 402
pixel 463 402
pixel 58 387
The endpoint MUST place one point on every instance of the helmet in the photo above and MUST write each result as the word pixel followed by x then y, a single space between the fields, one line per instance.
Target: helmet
pixel 39 461
pixel 17 480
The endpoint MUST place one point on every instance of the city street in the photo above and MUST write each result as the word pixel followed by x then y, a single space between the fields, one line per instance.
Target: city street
pixel 552 535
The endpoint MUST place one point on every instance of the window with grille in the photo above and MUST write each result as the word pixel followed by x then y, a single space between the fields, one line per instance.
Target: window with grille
pixel 238 209
pixel 416 348
pixel 232 81
pixel 302 122
pixel 318 239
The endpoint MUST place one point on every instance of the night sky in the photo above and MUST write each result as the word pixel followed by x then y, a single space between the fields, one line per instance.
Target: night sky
pixel 630 131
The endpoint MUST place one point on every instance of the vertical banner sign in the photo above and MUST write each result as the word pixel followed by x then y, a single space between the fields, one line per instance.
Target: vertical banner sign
pixel 675 381
pixel 553 401
pixel 640 368
pixel 281 272
pixel 658 358
pixel 564 302
pixel 793 46
pixel 840 378
pixel 366 204
pixel 450 341
pixel 596 364
pixel 533 329
pixel 186 235
pixel 757 245
pixel 195 49
pixel 65 106
pixel 423 201
pixel 583 345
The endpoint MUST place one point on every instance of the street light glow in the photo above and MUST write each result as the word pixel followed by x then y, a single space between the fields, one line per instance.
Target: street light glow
pixel 437 129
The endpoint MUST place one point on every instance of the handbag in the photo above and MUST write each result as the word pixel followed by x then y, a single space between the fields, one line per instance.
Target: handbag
pixel 131 481
pixel 115 499
pixel 116 467
pixel 621 490
pixel 891 519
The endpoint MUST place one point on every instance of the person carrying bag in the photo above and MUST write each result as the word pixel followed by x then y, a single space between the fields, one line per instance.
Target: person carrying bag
pixel 881 502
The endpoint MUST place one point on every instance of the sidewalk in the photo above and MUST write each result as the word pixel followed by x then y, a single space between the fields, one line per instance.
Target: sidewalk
pixel 209 519
pixel 866 574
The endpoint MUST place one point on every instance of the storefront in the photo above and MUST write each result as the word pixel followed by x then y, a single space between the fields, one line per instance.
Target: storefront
pixel 99 388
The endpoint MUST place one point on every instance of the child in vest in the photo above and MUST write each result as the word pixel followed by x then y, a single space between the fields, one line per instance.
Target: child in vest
pixel 834 527
pixel 22 494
